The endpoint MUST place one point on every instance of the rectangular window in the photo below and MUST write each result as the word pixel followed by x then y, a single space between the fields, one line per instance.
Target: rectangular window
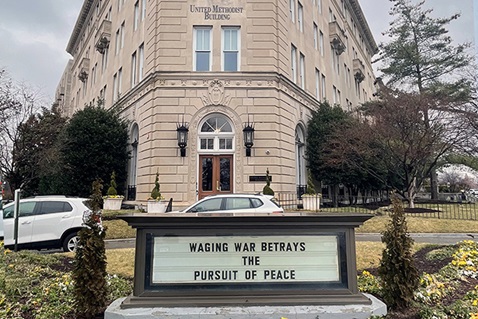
pixel 323 88
pixel 136 16
pixel 230 49
pixel 319 6
pixel 117 42
pixel 202 49
pixel 225 143
pixel 293 63
pixel 302 71
pixel 143 10
pixel 207 144
pixel 122 35
pixel 292 10
pixel 334 91
pixel 300 17
pixel 317 84
pixel 115 87
pixel 141 62
pixel 104 96
pixel 120 81
pixel 133 69
pixel 104 60
pixel 321 43
pixel 316 34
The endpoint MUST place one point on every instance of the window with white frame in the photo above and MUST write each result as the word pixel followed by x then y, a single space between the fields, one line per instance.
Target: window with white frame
pixel 293 62
pixel 300 17
pixel 316 35
pixel 133 69
pixel 143 10
pixel 122 35
pixel 292 10
pixel 321 43
pixel 120 81
pixel 334 91
pixel 115 87
pixel 136 16
pixel 324 87
pixel 202 48
pixel 216 134
pixel 117 42
pixel 141 62
pixel 230 48
pixel 319 6
pixel 302 70
pixel 317 84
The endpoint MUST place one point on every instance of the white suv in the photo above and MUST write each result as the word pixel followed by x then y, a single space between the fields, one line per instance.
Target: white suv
pixel 235 203
pixel 45 222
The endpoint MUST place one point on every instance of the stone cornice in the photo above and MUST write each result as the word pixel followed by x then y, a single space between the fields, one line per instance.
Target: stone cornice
pixel 364 25
pixel 84 12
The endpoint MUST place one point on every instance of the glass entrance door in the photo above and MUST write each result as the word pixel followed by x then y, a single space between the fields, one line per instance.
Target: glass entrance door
pixel 215 175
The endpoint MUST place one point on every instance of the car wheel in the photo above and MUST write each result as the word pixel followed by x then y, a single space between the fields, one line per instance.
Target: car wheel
pixel 70 242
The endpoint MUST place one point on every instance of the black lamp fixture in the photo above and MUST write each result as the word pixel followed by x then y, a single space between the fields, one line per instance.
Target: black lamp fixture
pixel 248 137
pixel 182 130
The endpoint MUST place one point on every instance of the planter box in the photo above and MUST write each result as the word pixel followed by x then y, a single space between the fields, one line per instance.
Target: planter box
pixel 112 203
pixel 311 202
pixel 157 206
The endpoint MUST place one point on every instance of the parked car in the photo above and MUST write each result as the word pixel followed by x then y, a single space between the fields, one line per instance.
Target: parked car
pixel 45 222
pixel 235 203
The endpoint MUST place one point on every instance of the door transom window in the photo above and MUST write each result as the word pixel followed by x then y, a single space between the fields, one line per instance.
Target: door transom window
pixel 216 134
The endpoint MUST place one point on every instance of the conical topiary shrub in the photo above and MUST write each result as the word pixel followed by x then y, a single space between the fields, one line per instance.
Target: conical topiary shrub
pixel 267 190
pixel 112 189
pixel 89 274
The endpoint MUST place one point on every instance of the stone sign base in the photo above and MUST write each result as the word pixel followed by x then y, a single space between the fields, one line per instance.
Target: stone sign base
pixel 377 308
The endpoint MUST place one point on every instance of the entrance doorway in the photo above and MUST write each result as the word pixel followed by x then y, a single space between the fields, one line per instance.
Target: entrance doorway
pixel 215 175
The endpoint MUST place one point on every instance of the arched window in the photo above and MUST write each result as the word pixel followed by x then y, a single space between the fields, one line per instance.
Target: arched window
pixel 301 176
pixel 216 134
pixel 133 162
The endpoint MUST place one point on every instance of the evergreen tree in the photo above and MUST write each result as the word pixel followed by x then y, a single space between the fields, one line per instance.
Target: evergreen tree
pixel 89 274
pixel 397 269
pixel 422 57
pixel 96 143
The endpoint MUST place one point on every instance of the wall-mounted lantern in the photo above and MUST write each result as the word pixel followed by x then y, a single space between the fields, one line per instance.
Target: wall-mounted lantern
pixel 182 130
pixel 248 137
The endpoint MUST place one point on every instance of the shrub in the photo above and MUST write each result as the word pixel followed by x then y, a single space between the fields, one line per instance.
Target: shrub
pixel 267 190
pixel 397 269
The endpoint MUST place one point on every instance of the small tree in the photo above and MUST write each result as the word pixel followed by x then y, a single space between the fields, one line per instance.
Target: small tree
pixel 112 189
pixel 397 269
pixel 267 190
pixel 89 274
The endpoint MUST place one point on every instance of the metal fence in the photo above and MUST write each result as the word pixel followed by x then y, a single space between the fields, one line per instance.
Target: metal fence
pixel 452 206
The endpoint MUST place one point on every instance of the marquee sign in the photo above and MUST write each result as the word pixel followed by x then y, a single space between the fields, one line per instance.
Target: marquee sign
pixel 203 259
pixel 243 259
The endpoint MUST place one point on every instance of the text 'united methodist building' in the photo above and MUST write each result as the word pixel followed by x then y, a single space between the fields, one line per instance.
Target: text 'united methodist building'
pixel 217 91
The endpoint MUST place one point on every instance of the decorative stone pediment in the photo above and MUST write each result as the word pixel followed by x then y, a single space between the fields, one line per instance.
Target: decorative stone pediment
pixel 216 94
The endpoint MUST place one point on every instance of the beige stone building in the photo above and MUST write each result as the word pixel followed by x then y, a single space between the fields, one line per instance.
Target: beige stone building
pixel 220 67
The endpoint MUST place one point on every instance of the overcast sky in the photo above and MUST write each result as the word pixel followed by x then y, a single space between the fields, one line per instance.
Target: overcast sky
pixel 34 34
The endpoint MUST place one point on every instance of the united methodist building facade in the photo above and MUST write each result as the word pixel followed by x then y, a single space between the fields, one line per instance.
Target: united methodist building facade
pixel 217 91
